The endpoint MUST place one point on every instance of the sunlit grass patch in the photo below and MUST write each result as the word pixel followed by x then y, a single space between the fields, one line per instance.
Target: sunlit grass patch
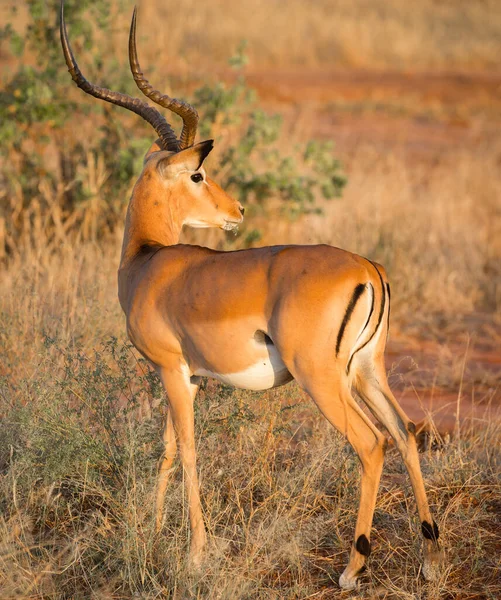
pixel 279 492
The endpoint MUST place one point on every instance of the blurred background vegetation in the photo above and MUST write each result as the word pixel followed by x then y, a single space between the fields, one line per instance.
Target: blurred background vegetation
pixel 68 164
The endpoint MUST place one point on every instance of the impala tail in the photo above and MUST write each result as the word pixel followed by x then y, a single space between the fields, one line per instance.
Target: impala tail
pixel 369 305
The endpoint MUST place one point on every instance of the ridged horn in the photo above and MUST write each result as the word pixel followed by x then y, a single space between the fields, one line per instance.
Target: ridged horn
pixel 187 112
pixel 168 140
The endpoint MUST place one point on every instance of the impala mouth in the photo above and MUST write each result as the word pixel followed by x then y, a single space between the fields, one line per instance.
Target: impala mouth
pixel 230 225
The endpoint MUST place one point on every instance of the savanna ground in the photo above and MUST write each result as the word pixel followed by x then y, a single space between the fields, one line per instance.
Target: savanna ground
pixel 411 96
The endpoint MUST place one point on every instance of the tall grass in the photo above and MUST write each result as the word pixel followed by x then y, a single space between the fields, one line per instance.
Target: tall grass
pixel 369 34
pixel 279 491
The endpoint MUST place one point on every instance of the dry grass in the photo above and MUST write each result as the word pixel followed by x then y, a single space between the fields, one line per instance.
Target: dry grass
pixel 279 489
pixel 382 34
pixel 362 33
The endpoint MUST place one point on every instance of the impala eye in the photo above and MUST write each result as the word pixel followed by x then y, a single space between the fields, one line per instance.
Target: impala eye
pixel 197 177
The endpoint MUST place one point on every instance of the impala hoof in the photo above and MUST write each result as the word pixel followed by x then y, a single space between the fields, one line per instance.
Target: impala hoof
pixel 195 560
pixel 348 582
pixel 432 566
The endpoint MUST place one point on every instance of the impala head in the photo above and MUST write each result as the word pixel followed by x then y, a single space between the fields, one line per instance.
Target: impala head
pixel 180 183
pixel 173 182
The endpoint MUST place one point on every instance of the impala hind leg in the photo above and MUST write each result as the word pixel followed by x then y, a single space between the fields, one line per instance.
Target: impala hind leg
pixel 180 394
pixel 340 409
pixel 372 386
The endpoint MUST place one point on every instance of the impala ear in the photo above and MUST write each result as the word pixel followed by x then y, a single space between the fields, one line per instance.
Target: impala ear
pixel 190 159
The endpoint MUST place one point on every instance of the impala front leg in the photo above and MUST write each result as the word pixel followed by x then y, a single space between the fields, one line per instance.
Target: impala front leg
pixel 180 394
pixel 164 468
pixel 167 458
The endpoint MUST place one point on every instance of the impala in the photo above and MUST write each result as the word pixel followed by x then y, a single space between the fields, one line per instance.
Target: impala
pixel 254 319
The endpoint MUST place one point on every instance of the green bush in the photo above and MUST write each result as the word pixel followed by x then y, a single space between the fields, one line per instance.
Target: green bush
pixel 73 160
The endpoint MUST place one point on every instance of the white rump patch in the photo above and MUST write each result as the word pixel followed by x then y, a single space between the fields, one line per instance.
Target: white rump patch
pixel 359 342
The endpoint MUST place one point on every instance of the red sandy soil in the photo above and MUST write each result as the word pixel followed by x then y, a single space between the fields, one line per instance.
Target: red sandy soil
pixel 324 86
pixel 455 376
pixel 454 384
pixel 420 113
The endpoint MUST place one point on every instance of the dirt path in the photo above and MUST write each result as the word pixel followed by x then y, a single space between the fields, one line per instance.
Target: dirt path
pixel 421 113
pixel 416 381
pixel 454 378
pixel 465 89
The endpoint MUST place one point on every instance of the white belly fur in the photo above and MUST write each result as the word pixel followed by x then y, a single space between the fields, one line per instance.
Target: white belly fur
pixel 267 373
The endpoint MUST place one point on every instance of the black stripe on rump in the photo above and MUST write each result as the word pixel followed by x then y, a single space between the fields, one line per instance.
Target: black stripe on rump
pixel 389 304
pixel 359 290
pixel 379 319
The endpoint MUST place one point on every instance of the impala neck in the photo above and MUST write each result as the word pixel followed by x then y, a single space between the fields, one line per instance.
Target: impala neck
pixel 150 223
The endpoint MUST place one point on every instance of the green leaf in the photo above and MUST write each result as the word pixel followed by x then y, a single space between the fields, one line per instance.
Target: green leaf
pixel 16 44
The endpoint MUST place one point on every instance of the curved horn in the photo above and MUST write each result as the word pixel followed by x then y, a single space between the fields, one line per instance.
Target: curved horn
pixel 183 109
pixel 168 140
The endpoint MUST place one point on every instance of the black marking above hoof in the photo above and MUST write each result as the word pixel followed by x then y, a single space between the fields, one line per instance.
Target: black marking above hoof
pixel 430 532
pixel 362 569
pixel 411 427
pixel 363 545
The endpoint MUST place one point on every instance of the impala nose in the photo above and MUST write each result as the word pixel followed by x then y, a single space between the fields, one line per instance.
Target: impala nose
pixel 242 210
